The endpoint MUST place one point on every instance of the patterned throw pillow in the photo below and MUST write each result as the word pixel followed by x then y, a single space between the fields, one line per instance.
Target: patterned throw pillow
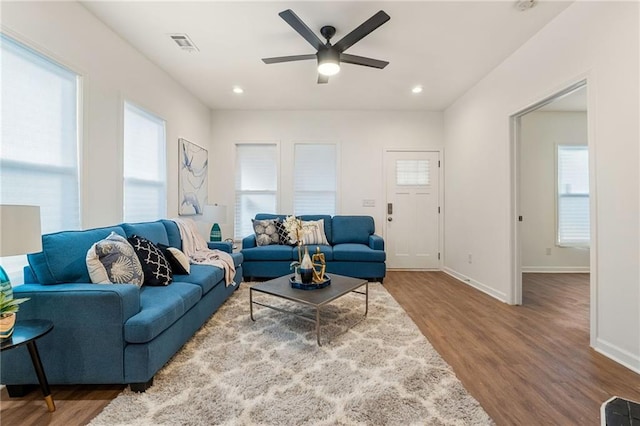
pixel 313 232
pixel 157 271
pixel 266 232
pixel 113 260
pixel 283 235
pixel 177 259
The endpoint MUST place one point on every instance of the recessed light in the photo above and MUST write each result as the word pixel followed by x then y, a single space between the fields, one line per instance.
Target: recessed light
pixel 238 90
pixel 417 89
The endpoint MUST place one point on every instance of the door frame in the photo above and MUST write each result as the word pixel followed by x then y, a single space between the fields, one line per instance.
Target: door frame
pixel 440 200
pixel 515 290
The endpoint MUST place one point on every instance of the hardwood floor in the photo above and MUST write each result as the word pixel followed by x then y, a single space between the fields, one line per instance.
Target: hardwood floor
pixel 526 365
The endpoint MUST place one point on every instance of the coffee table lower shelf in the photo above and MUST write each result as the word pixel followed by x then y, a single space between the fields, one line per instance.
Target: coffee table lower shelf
pixel 280 287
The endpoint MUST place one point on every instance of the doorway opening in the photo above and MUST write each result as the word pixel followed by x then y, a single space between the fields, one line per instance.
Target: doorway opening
pixel 553 191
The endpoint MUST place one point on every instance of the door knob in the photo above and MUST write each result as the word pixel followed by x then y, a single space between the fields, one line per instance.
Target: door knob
pixel 390 219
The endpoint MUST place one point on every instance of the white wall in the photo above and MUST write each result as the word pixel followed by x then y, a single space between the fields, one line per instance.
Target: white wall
pixel 112 71
pixel 598 40
pixel 541 133
pixel 362 135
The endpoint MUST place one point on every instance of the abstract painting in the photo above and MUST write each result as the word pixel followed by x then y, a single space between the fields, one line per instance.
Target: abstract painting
pixel 193 180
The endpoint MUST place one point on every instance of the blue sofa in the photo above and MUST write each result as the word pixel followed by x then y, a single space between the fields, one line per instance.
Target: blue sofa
pixel 109 333
pixel 354 250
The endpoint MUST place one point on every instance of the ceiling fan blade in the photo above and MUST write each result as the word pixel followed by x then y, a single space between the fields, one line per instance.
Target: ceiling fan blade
pixel 362 31
pixel 301 28
pixel 322 79
pixel 279 59
pixel 361 60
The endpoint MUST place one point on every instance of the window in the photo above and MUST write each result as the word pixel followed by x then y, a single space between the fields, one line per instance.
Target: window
pixel 315 179
pixel 256 184
pixel 39 140
pixel 573 195
pixel 145 176
pixel 412 172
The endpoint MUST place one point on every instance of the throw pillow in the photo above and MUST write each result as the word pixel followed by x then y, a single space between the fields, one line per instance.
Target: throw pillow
pixel 113 260
pixel 266 232
pixel 283 235
pixel 313 232
pixel 157 271
pixel 177 259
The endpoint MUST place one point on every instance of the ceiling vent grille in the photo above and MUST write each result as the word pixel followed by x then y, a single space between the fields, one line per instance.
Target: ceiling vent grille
pixel 184 42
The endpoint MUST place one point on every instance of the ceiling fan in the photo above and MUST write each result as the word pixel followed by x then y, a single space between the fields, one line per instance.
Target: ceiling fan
pixel 330 56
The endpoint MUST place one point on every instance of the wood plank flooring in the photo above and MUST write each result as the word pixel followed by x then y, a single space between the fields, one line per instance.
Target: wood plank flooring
pixel 526 365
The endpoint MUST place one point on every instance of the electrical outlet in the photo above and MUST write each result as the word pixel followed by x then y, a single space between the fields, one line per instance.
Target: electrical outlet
pixel 548 251
pixel 368 203
pixel 470 258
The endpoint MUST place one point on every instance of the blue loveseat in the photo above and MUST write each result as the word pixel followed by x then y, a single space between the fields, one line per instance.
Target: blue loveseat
pixel 354 250
pixel 110 333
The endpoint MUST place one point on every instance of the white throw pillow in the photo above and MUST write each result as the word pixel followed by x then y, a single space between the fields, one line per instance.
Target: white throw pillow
pixel 181 258
pixel 313 232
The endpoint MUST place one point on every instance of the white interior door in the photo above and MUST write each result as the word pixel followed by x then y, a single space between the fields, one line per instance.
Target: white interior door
pixel 412 232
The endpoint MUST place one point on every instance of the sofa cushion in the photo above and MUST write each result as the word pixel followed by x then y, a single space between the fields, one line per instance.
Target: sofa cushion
pixel 114 261
pixel 205 276
pixel 157 270
pixel 352 229
pixel 327 250
pixel 177 259
pixel 159 308
pixel 266 232
pixel 63 255
pixel 173 233
pixel 357 253
pixel 152 231
pixel 275 252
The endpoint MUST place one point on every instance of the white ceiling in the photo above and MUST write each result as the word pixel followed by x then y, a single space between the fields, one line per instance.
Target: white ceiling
pixel 445 46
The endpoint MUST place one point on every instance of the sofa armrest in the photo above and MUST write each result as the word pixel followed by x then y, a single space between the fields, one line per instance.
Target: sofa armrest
pixel 225 246
pixel 249 241
pixel 83 302
pixel 376 242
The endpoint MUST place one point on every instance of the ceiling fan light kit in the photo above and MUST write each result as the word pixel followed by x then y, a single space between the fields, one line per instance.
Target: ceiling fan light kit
pixel 330 56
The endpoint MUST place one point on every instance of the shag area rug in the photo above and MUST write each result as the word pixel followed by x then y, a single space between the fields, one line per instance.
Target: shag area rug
pixel 378 370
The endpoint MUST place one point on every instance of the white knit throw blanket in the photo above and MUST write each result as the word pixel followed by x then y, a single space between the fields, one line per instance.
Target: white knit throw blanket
pixel 195 247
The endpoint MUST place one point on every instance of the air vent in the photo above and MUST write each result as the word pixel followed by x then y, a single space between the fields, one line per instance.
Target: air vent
pixel 184 42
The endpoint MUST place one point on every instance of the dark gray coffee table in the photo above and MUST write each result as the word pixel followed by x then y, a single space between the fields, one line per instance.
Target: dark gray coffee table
pixel 280 287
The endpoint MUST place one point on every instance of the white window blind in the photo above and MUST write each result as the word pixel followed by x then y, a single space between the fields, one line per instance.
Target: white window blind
pixel 145 176
pixel 314 179
pixel 256 184
pixel 412 172
pixel 39 128
pixel 573 195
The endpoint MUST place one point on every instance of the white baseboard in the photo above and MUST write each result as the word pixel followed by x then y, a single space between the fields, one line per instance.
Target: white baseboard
pixel 556 269
pixel 619 355
pixel 476 284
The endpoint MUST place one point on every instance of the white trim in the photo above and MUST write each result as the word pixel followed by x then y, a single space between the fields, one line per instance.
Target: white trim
pixel 476 284
pixel 619 355
pixel 556 269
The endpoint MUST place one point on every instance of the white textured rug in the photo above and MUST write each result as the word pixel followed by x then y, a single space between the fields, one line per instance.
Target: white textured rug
pixel 376 371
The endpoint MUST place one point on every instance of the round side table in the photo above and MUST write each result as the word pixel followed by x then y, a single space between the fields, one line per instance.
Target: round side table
pixel 26 332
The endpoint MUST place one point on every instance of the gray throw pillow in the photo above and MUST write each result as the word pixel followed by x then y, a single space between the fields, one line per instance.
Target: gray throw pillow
pixel 113 260
pixel 266 232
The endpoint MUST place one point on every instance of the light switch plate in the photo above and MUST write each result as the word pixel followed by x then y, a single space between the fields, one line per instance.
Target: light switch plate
pixel 368 203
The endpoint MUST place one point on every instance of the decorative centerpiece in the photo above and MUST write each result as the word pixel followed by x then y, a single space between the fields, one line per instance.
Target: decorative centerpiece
pixel 309 271
pixel 8 308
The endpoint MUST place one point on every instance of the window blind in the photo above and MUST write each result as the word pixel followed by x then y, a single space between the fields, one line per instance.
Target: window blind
pixel 256 184
pixel 144 165
pixel 315 179
pixel 39 128
pixel 412 172
pixel 573 195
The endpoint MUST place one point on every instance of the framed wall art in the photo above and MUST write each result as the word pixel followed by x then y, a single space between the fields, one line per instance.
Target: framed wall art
pixel 193 178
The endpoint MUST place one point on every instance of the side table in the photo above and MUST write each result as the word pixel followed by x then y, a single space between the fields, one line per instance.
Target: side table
pixel 26 332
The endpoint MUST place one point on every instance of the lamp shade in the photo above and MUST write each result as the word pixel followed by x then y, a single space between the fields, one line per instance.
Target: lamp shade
pixel 215 213
pixel 20 231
